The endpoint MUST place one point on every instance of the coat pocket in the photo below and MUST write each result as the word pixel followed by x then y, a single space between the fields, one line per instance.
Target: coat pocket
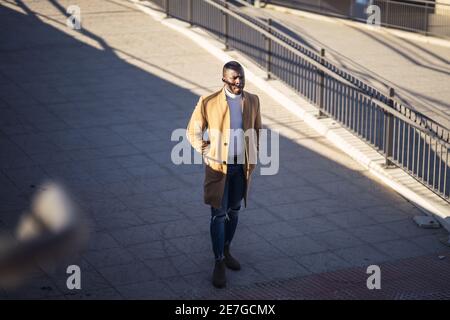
pixel 212 176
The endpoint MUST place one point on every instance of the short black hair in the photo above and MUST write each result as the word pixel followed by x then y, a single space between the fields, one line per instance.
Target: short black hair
pixel 233 65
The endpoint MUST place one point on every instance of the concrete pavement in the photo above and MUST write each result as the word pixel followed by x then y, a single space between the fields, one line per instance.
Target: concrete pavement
pixel 95 108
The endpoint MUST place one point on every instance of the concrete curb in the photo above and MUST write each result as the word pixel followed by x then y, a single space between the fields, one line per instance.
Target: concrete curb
pixel 396 178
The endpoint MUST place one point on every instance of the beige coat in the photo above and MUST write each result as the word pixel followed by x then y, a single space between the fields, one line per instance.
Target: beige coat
pixel 212 115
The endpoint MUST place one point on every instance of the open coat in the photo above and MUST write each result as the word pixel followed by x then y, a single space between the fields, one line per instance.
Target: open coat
pixel 208 132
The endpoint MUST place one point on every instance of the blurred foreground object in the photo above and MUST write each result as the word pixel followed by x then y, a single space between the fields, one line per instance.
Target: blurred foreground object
pixel 52 231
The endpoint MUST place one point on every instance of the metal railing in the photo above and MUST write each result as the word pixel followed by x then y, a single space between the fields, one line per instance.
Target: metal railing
pixel 406 138
pixel 425 17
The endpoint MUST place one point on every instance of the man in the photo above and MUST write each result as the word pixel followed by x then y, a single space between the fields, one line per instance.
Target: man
pixel 231 119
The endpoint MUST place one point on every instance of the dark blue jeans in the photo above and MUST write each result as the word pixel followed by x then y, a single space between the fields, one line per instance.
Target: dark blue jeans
pixel 224 220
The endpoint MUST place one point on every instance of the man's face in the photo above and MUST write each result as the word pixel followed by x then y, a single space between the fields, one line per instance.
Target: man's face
pixel 234 80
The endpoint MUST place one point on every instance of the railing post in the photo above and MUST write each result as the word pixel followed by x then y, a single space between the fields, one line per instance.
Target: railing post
pixel 166 8
pixel 425 28
pixel 321 85
pixel 351 9
pixel 269 51
pixel 389 130
pixel 190 18
pixel 225 26
pixel 387 15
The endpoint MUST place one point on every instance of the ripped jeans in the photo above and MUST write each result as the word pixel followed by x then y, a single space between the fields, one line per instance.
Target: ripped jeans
pixel 224 220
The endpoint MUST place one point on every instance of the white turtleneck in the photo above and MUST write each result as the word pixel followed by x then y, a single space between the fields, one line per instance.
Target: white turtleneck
pixel 236 145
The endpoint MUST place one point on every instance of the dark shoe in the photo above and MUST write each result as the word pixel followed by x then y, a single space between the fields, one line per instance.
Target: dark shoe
pixel 230 261
pixel 219 279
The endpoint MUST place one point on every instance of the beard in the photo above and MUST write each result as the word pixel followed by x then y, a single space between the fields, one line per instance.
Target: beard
pixel 235 89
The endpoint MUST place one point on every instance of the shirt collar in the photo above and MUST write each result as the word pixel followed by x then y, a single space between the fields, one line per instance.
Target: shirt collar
pixel 232 95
